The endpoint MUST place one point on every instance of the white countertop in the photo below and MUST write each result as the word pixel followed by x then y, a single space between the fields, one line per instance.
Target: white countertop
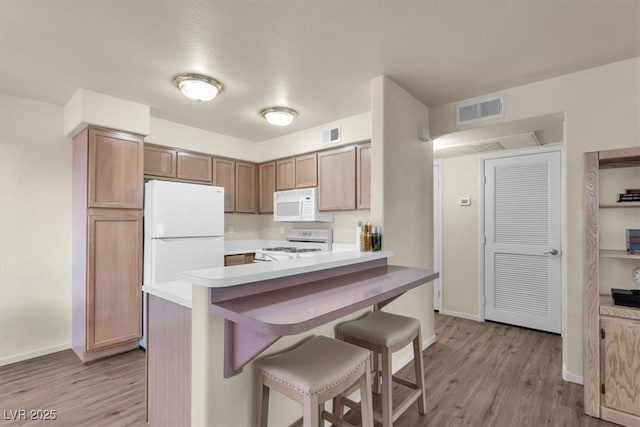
pixel 246 273
pixel 179 291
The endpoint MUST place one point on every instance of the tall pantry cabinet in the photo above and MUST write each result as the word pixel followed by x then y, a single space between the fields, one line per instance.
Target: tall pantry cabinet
pixel 107 242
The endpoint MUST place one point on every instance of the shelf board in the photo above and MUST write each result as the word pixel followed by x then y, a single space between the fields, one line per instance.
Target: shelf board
pixel 615 253
pixel 607 308
pixel 620 205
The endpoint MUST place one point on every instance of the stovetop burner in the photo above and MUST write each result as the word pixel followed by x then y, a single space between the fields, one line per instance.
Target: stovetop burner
pixel 290 249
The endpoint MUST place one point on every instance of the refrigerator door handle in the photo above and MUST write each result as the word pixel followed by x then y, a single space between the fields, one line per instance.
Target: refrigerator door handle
pixel 175 239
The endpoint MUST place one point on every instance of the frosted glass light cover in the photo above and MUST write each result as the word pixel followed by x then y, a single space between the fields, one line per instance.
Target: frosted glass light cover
pixel 197 86
pixel 279 116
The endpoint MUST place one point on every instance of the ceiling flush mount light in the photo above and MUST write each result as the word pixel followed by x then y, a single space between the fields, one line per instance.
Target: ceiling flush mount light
pixel 279 116
pixel 197 86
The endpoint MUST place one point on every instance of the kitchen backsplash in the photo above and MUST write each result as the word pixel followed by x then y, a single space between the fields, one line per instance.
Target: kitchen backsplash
pixel 249 226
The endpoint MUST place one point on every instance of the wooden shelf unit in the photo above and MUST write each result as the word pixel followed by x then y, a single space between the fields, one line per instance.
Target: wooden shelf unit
pixel 610 332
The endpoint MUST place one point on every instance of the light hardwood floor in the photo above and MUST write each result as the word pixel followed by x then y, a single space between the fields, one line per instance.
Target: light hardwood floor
pixel 477 374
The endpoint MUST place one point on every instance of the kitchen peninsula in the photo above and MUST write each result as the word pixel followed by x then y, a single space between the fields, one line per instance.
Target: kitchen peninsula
pixel 202 338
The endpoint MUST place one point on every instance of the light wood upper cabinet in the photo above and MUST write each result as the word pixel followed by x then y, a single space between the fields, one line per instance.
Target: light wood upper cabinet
pixel 337 179
pixel 195 167
pixel 115 172
pixel 267 185
pixel 307 171
pixel 363 171
pixel 286 174
pixel 224 175
pixel 245 187
pixel 160 161
pixel 114 277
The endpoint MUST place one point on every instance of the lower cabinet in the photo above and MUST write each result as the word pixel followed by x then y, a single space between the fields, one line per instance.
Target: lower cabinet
pixel 108 302
pixel 239 259
pixel 620 370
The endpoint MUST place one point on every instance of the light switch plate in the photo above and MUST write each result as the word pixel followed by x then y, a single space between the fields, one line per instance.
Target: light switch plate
pixel 465 201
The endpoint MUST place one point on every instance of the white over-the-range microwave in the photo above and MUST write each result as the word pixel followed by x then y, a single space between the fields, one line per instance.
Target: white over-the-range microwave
pixel 298 206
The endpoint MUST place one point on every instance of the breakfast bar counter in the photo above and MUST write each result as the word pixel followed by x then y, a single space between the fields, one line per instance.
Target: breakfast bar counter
pixel 238 313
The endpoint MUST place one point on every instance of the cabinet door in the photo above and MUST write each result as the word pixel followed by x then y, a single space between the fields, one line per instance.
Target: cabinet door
pixel 267 184
pixel 620 364
pixel 307 171
pixel 337 179
pixel 114 282
pixel 195 167
pixel 363 170
pixel 115 169
pixel 159 161
pixel 245 187
pixel 224 175
pixel 286 174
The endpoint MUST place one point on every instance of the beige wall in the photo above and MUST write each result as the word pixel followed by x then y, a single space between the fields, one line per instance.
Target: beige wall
pixel 35 225
pixel 402 189
pixel 602 110
pixel 460 236
pixel 172 134
pixel 353 129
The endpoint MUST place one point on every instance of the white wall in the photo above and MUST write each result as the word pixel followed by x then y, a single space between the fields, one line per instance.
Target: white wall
pixel 402 190
pixel 35 229
pixel 602 110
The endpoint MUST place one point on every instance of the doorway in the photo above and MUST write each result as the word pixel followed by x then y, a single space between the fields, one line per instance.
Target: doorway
pixel 523 239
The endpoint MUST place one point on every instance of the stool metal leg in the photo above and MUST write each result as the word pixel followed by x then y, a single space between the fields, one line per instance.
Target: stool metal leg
pixel 419 367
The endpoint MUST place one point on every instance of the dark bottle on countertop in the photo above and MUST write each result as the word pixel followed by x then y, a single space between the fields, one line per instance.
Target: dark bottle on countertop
pixel 376 239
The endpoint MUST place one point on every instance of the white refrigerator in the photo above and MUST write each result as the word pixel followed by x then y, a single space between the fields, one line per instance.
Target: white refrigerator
pixel 183 230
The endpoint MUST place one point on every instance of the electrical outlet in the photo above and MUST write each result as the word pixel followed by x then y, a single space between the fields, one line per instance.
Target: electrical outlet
pixel 231 229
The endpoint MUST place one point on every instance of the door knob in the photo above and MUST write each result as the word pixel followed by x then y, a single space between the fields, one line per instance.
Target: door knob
pixel 552 252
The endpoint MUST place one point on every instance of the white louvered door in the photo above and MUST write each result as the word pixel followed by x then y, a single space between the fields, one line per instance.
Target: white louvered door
pixel 523 241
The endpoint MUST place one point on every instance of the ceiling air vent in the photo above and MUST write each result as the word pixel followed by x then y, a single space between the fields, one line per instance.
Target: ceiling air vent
pixel 331 135
pixel 479 109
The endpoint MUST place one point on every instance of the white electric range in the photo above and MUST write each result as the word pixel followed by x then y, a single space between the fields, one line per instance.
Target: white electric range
pixel 300 243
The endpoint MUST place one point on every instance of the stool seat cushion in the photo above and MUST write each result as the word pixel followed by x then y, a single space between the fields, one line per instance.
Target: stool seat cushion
pixel 315 366
pixel 381 329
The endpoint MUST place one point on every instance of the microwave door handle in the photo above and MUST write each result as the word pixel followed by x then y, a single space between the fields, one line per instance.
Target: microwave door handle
pixel 301 202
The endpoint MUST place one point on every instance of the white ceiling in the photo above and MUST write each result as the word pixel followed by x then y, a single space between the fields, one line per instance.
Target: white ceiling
pixel 315 56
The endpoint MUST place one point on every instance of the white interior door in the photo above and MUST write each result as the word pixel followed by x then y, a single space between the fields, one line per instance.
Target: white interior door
pixel 523 241
pixel 437 234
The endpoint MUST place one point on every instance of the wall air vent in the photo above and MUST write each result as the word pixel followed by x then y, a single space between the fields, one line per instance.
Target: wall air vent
pixel 331 135
pixel 479 109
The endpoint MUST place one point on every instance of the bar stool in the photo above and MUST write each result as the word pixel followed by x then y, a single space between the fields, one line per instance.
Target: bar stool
pixel 316 371
pixel 385 333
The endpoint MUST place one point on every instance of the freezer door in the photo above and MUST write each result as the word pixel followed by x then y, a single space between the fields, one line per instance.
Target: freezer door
pixel 176 209
pixel 168 257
